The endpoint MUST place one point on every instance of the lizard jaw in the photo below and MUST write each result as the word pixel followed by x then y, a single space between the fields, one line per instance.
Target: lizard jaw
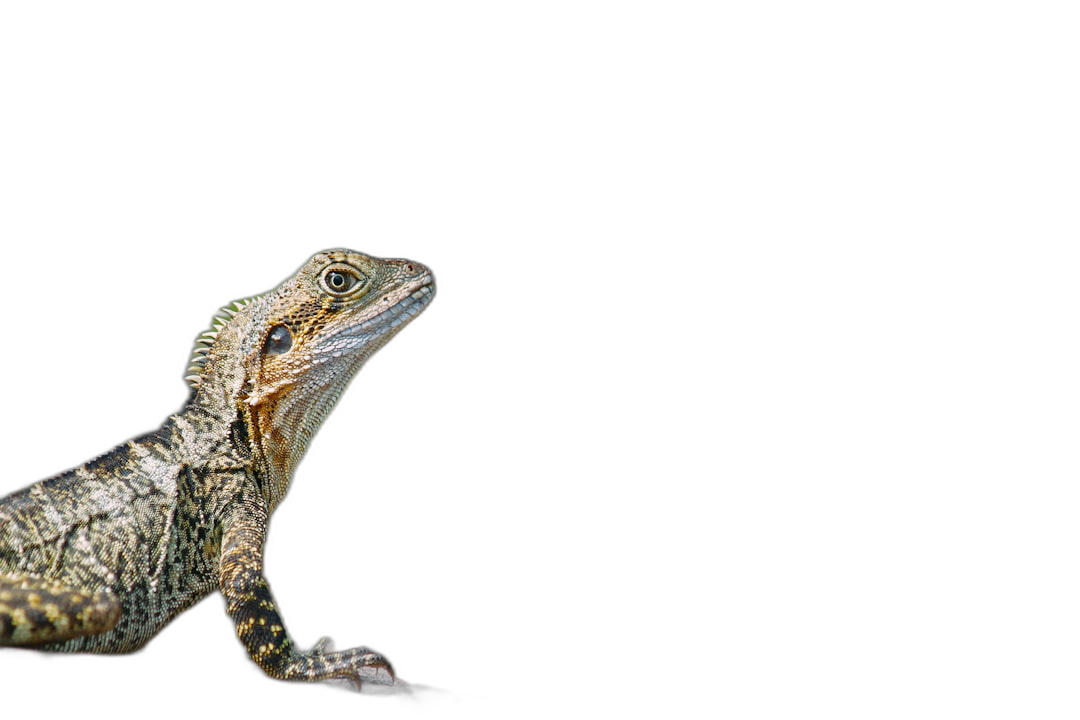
pixel 371 330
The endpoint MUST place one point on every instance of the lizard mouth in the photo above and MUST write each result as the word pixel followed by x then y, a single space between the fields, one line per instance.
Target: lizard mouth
pixel 398 308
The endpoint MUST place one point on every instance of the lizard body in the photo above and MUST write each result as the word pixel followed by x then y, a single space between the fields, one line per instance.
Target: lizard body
pixel 101 557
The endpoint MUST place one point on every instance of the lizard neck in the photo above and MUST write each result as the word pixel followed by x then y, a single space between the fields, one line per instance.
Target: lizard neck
pixel 282 424
pixel 220 434
pixel 273 463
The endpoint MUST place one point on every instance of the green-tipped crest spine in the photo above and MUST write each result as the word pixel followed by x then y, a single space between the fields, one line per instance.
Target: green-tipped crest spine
pixel 206 340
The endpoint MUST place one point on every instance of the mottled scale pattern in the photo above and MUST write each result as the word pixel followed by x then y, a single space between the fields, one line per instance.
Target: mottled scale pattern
pixel 108 526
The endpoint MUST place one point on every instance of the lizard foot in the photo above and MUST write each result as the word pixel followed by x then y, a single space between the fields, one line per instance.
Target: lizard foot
pixel 376 661
pixel 364 666
pixel 376 675
pixel 368 673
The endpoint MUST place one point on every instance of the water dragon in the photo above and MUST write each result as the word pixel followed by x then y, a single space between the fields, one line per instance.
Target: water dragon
pixel 100 558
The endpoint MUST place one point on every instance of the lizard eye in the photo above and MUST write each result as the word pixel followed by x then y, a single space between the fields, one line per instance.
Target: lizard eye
pixel 278 341
pixel 342 280
pixel 338 281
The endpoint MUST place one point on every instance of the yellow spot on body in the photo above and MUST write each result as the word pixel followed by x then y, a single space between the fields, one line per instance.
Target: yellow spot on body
pixel 23 630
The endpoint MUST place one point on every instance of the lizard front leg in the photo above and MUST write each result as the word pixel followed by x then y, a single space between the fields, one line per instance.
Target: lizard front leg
pixel 258 623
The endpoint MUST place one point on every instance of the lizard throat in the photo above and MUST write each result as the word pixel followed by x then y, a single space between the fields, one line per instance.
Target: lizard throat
pixel 335 358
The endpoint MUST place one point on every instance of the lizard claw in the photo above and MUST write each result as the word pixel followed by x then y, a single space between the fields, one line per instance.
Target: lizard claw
pixel 371 667
pixel 375 668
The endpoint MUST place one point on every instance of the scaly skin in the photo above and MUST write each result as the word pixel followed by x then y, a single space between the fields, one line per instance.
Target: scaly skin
pixel 102 557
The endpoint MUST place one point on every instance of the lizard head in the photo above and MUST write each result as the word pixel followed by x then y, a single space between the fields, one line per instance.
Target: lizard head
pixel 282 359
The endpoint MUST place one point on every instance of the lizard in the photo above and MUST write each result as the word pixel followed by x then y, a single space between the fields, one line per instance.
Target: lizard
pixel 101 557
